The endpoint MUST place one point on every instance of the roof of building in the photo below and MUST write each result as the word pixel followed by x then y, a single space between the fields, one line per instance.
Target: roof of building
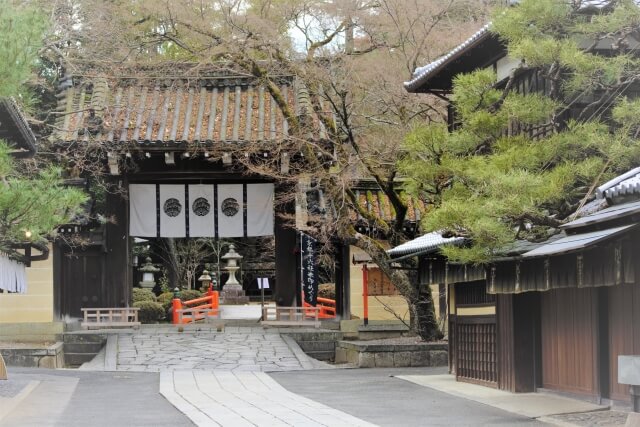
pixel 426 243
pixel 15 130
pixel 608 214
pixel 623 185
pixel 376 201
pixel 450 63
pixel 576 242
pixel 212 106
pixel 423 74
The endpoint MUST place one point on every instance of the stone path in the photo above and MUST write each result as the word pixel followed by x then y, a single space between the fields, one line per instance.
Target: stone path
pixel 238 399
pixel 235 348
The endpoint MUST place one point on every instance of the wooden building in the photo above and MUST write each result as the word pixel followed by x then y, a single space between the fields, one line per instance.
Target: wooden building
pixel 552 315
pixel 177 127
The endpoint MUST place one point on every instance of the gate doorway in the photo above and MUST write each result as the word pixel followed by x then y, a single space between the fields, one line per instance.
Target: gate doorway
pixel 473 333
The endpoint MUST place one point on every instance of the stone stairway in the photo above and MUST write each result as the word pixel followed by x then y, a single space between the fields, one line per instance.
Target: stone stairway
pixel 319 344
pixel 81 347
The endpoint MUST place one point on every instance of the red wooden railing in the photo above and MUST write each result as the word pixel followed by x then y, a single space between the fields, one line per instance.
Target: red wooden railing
pixel 327 308
pixel 196 309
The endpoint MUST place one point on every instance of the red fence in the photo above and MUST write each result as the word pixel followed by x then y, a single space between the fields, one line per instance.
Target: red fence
pixel 327 308
pixel 196 309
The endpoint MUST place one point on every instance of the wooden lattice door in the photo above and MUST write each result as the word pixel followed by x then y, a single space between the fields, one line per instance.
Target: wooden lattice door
pixel 476 349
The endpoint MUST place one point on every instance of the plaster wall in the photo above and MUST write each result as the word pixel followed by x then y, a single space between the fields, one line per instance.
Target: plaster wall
pixel 376 304
pixel 36 305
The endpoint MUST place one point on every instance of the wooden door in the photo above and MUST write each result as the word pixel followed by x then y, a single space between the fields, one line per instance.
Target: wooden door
pixel 568 340
pixel 623 333
pixel 82 281
pixel 474 334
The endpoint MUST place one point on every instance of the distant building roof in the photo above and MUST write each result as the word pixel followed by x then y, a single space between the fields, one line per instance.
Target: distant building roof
pixel 426 243
pixel 576 242
pixel 15 130
pixel 623 185
pixel 463 58
pixel 608 214
pixel 424 74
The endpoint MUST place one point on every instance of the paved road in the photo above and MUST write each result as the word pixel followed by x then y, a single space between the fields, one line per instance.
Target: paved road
pixel 374 395
pixel 72 398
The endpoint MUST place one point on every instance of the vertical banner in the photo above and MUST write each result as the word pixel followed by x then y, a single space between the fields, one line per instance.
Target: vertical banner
pixel 309 258
pixel 230 210
pixel 260 210
pixel 142 210
pixel 172 210
pixel 201 211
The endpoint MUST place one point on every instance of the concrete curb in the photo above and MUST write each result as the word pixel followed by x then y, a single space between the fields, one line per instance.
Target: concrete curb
pixel 111 353
pixel 305 361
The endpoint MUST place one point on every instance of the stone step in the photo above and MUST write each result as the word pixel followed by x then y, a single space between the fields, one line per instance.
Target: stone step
pixel 314 335
pixel 322 355
pixel 88 347
pixel 308 346
pixel 77 359
pixel 83 337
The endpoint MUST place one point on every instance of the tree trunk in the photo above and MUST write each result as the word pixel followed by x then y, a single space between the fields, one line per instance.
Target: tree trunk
pixel 420 301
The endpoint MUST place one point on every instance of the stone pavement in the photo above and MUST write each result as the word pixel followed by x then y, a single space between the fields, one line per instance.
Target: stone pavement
pixel 234 348
pixel 244 398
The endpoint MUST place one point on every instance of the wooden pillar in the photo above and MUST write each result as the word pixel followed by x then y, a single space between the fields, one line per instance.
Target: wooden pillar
pixel 118 273
pixel 286 259
pixel 342 276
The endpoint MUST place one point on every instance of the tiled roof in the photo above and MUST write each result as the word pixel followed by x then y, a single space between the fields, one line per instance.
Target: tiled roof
pixel 575 242
pixel 208 108
pixel 377 202
pixel 15 129
pixel 623 185
pixel 422 74
pixel 426 243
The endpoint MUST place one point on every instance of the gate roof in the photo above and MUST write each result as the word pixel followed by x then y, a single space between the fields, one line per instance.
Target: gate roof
pixel 213 106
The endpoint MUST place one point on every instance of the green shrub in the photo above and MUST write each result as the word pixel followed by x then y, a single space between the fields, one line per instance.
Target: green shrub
pixel 190 294
pixel 141 294
pixel 150 311
pixel 165 299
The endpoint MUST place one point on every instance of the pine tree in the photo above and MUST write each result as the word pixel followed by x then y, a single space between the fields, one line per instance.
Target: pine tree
pixel 495 186
pixel 32 204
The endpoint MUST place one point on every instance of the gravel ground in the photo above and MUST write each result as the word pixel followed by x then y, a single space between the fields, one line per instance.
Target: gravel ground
pixel 598 418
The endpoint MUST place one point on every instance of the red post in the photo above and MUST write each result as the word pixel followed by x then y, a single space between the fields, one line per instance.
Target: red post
pixel 365 294
pixel 177 305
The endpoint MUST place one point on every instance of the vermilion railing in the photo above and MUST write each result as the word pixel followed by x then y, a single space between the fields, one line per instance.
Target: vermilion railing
pixel 196 309
pixel 327 308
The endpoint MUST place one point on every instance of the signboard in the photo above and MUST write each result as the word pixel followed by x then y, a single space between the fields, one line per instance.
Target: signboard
pixel 263 283
pixel 309 269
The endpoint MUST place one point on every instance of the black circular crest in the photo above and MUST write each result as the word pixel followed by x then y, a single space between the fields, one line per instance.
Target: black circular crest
pixel 230 206
pixel 201 206
pixel 172 207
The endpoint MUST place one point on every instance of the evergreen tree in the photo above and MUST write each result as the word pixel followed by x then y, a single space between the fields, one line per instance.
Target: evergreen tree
pixel 32 203
pixel 494 186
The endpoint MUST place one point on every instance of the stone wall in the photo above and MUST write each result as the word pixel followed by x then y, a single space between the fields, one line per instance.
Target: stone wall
pixel 371 354
pixel 35 356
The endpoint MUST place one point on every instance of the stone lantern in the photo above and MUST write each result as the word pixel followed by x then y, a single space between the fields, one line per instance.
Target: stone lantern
pixel 148 274
pixel 205 281
pixel 232 293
